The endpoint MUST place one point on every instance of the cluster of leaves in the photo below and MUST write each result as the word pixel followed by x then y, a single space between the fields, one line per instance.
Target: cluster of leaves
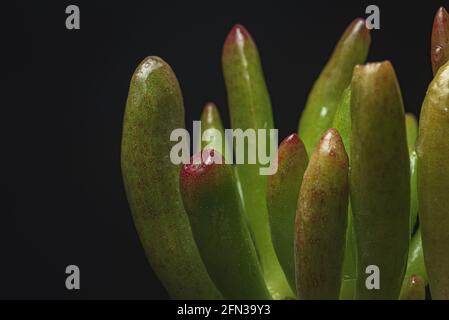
pixel 343 202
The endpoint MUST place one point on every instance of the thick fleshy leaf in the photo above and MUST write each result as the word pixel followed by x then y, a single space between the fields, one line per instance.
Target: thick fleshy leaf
pixel 153 110
pixel 379 181
pixel 321 220
pixel 250 108
pixel 433 182
pixel 212 203
pixel 282 199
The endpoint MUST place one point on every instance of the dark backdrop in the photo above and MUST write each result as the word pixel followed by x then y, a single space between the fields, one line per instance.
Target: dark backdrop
pixel 62 115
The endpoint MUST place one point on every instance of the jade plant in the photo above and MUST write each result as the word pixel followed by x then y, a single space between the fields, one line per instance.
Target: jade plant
pixel 360 190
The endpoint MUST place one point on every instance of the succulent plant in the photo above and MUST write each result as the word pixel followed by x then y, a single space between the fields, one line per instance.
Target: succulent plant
pixel 361 185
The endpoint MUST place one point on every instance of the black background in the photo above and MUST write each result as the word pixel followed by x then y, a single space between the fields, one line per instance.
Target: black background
pixel 63 106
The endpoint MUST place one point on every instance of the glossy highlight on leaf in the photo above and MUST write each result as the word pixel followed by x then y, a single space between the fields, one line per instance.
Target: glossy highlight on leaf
pixel 411 126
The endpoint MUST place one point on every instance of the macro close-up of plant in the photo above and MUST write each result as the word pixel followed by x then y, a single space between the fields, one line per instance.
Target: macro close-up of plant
pixel 357 207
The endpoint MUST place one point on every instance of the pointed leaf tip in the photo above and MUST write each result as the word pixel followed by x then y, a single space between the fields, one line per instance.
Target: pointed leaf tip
pixel 291 139
pixel 439 49
pixel 210 113
pixel 210 106
pixel 357 28
pixel 238 36
pixel 200 167
pixel 331 144
pixel 291 146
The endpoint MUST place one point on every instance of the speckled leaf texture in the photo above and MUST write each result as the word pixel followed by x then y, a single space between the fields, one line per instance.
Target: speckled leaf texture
pixel 154 108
